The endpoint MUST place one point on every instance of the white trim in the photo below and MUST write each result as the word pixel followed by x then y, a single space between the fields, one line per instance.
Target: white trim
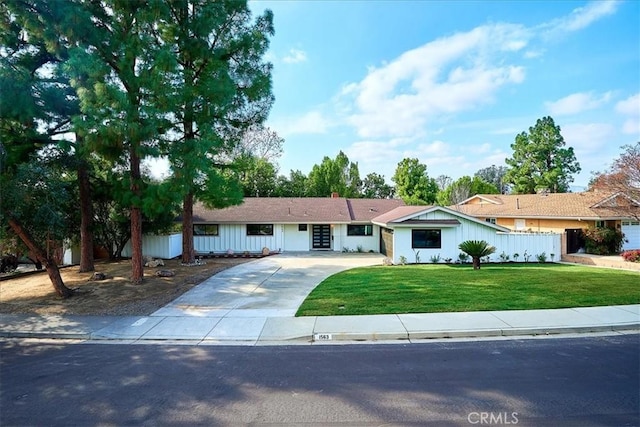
pixel 613 196
pixel 493 202
pixel 398 222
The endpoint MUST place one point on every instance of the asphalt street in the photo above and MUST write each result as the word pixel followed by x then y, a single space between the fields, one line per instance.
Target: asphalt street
pixel 537 382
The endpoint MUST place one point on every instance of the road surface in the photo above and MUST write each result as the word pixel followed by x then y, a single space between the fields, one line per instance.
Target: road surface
pixel 568 381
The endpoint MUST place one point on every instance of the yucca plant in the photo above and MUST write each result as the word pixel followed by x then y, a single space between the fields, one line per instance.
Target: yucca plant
pixel 476 249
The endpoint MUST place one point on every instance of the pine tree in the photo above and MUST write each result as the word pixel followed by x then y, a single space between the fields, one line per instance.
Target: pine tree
pixel 221 87
pixel 540 160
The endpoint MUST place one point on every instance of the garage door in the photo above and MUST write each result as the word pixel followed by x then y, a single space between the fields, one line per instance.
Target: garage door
pixel 631 230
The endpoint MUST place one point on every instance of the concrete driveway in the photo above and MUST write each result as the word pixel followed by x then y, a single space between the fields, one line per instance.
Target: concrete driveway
pixel 274 286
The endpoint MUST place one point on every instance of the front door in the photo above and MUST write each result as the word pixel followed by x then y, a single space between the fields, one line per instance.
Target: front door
pixel 321 236
pixel 575 240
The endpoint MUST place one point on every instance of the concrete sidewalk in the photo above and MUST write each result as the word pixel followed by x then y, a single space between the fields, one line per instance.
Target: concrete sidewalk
pixel 255 303
pixel 292 330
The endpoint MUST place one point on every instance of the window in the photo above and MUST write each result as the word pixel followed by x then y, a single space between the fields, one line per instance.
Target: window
pixel 205 229
pixel 490 220
pixel 360 230
pixel 259 229
pixel 426 239
pixel 599 224
pixel 302 227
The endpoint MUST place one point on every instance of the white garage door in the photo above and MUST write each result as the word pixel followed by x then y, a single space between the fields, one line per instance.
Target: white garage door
pixel 631 230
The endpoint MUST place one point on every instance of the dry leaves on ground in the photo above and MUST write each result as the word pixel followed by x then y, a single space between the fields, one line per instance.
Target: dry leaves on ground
pixel 116 295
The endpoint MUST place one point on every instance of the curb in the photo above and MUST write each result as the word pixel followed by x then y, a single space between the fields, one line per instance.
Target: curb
pixel 473 333
pixel 341 337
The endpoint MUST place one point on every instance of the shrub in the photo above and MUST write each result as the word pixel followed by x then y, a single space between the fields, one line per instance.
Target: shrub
pixel 631 256
pixel 504 257
pixel 435 259
pixel 542 258
pixel 463 258
pixel 516 256
pixel 476 249
pixel 403 260
pixel 603 241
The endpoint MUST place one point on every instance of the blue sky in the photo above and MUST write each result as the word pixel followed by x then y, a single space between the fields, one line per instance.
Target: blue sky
pixel 451 83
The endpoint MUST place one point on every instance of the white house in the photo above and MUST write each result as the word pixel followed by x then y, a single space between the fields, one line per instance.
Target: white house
pixel 290 224
pixel 418 233
pixel 337 224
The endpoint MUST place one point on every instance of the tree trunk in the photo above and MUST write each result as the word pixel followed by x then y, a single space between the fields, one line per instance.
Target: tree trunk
pixel 116 255
pixel 86 220
pixel 137 265
pixel 41 256
pixel 476 263
pixel 188 251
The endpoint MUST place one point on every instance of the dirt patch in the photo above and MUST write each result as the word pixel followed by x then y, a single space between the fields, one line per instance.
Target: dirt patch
pixel 116 295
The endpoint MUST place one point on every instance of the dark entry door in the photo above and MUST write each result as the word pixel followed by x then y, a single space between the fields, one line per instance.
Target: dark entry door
pixel 386 242
pixel 575 240
pixel 321 236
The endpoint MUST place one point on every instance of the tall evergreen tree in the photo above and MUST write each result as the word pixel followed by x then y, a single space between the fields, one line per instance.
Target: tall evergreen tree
pixel 221 89
pixel 32 112
pixel 541 161
pixel 117 70
pixel 38 29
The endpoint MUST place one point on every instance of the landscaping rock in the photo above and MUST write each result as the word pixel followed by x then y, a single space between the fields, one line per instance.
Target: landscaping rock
pixel 387 261
pixel 265 251
pixel 98 276
pixel 155 263
pixel 165 273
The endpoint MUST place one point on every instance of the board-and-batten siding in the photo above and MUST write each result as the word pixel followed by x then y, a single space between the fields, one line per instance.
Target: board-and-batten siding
pixel 234 237
pixel 165 247
pixel 451 237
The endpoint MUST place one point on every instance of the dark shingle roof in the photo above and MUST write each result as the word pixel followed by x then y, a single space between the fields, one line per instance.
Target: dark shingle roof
pixel 296 210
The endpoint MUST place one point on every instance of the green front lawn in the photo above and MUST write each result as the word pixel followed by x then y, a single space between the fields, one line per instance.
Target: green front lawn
pixel 440 288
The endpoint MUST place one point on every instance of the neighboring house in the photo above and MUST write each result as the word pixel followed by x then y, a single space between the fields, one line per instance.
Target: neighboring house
pixel 565 213
pixel 420 233
pixel 290 224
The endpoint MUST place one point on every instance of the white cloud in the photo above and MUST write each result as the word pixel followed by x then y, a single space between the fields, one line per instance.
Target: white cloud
pixel 631 127
pixel 312 122
pixel 534 53
pixel 582 17
pixel 445 76
pixel 295 56
pixel 577 102
pixel 587 138
pixel 630 107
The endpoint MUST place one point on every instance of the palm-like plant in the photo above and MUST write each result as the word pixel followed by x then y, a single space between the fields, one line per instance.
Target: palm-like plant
pixel 476 249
